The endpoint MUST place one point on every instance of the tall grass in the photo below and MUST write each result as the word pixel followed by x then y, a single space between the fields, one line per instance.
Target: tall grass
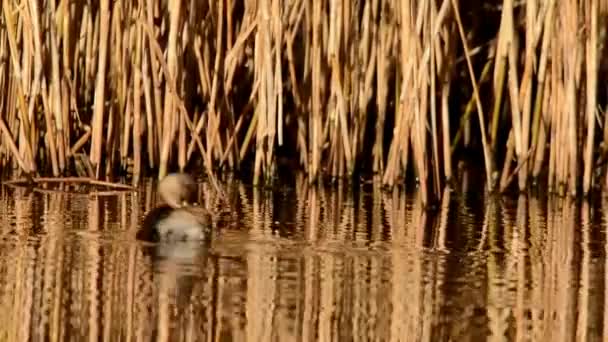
pixel 399 88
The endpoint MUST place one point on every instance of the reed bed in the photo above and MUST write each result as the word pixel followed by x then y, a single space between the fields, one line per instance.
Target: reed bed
pixel 72 269
pixel 403 89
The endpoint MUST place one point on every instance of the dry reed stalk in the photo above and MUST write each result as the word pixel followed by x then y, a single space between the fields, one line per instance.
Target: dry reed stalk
pixel 235 52
pixel 561 153
pixel 369 50
pixel 498 84
pixel 433 109
pixel 571 66
pixel 267 39
pixel 56 103
pixel 504 177
pixel 486 150
pixel 339 59
pixel 93 41
pixel 315 125
pixel 555 112
pixel 469 108
pixel 112 138
pixel 3 99
pixel 232 140
pixel 96 137
pixel 419 143
pixel 212 117
pixel 384 64
pixel 32 17
pixel 25 144
pixel 125 138
pixel 207 166
pixel 513 81
pixel 407 114
pixel 137 120
pixel 342 142
pixel 154 66
pixel 12 146
pixel 552 109
pixel 420 104
pixel 262 55
pixel 64 131
pixel 169 117
pixel 398 152
pixel 603 33
pixel 544 86
pixel 152 146
pixel 543 126
pixel 50 138
pixel 12 120
pixel 81 141
pixel 591 59
pixel 533 27
pixel 278 76
pixel 181 154
pixel 445 66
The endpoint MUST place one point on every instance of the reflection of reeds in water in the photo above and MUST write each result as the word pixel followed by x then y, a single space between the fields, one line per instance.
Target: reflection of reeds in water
pixel 305 263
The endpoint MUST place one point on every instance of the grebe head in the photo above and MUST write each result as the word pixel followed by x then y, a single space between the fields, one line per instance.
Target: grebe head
pixel 177 190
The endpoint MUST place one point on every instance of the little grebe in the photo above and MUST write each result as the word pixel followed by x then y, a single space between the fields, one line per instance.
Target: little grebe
pixel 179 217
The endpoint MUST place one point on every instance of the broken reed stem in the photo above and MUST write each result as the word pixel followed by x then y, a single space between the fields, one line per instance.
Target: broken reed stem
pixel 141 86
pixel 38 180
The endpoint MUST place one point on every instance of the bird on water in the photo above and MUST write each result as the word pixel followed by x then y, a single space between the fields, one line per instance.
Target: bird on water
pixel 179 217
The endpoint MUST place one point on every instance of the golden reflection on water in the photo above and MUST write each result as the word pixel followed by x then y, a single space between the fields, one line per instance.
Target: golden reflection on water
pixel 305 263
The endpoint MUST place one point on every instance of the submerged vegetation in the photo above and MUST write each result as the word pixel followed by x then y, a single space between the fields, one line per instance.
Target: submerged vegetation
pixel 395 88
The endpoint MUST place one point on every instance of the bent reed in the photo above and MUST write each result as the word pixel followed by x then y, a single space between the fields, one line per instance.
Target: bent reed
pixel 402 89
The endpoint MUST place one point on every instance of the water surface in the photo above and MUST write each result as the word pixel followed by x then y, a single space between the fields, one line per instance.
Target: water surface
pixel 303 263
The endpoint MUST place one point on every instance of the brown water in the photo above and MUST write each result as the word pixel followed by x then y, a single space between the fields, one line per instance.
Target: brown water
pixel 305 264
